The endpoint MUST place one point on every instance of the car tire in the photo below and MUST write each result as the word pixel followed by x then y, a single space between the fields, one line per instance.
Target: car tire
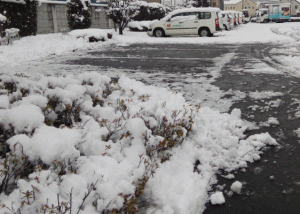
pixel 204 32
pixel 159 32
pixel 265 21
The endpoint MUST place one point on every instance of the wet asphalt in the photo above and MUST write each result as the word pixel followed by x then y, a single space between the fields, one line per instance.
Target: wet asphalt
pixel 260 194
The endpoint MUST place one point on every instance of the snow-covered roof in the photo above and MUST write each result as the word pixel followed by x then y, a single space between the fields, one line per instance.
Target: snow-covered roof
pixel 155 5
pixel 193 9
pixel 232 1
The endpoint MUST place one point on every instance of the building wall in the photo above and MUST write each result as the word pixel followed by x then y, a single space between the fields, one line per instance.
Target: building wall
pixel 250 6
pixel 245 4
pixel 52 17
pixel 236 7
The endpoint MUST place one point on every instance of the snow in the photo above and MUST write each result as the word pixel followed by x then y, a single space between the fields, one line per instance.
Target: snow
pixel 2 18
pixel 37 47
pixel 217 198
pixel 86 33
pixel 107 153
pixel 11 32
pixel 140 25
pixel 236 187
pixel 232 2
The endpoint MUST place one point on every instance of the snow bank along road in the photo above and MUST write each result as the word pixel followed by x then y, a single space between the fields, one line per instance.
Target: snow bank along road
pixel 254 78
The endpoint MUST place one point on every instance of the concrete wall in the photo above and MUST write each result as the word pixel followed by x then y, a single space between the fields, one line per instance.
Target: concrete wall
pixel 52 17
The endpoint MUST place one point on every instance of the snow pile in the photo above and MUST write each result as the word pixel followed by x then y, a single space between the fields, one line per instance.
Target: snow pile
pixel 217 198
pixel 98 34
pixel 12 32
pixel 36 47
pixel 236 187
pixel 87 143
pixel 140 25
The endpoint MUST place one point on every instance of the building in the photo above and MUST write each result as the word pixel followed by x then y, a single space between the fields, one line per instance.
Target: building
pixel 239 5
pixel 51 15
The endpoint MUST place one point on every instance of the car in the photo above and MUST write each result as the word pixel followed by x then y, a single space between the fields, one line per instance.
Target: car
pixel 188 21
pixel 246 16
pixel 241 17
pixel 234 17
pixel 227 20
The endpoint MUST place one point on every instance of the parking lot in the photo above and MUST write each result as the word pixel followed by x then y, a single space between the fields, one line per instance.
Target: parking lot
pixel 254 67
pixel 225 77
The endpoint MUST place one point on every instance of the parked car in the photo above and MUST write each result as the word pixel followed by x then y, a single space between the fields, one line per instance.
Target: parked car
pixel 241 17
pixel 246 16
pixel 188 21
pixel 234 17
pixel 227 20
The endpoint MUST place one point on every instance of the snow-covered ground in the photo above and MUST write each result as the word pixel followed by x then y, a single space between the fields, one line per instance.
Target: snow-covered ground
pixel 36 47
pixel 99 145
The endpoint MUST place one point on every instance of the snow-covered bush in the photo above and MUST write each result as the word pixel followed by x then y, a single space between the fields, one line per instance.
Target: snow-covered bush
pixel 21 16
pixel 79 14
pixel 121 12
pixel 86 144
pixel 148 11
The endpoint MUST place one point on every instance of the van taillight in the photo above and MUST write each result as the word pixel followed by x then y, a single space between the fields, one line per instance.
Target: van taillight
pixel 234 20
pixel 217 22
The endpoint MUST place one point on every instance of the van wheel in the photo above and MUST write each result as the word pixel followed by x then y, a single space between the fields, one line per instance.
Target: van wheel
pixel 265 21
pixel 159 32
pixel 204 32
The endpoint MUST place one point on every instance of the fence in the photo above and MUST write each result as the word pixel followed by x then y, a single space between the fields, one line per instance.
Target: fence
pixel 52 18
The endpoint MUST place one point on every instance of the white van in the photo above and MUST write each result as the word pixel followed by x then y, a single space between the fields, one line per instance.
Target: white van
pixel 227 20
pixel 234 18
pixel 188 21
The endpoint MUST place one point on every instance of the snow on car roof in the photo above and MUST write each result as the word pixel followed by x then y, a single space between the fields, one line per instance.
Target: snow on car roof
pixel 193 9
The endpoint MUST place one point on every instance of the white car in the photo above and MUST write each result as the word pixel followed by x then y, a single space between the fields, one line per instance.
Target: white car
pixel 241 17
pixel 227 20
pixel 234 17
pixel 188 21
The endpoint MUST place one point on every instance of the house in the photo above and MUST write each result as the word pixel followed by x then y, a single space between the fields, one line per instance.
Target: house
pixel 239 5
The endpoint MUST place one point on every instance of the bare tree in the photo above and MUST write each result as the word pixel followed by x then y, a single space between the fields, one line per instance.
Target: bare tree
pixel 121 12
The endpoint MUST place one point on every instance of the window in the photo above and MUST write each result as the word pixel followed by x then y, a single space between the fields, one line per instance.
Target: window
pixel 296 6
pixel 233 7
pixel 252 7
pixel 205 15
pixel 185 16
pixel 230 7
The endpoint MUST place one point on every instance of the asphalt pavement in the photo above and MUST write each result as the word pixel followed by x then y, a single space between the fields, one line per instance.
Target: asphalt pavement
pixel 228 68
